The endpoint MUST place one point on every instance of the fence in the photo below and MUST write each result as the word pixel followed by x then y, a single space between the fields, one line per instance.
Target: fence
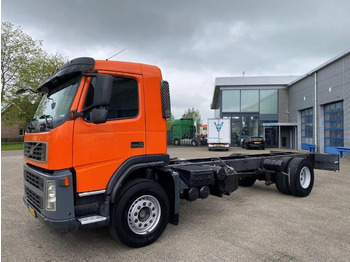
pixel 11 138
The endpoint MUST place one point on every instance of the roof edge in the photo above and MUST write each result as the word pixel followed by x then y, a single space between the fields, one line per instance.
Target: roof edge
pixel 334 59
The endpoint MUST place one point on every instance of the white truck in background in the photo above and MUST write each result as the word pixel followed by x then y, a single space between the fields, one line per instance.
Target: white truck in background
pixel 219 133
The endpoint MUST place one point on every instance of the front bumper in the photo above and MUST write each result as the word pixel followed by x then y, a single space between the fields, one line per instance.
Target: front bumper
pixel 35 196
pixel 256 145
pixel 62 225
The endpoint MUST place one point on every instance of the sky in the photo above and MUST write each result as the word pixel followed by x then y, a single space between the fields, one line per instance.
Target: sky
pixel 192 42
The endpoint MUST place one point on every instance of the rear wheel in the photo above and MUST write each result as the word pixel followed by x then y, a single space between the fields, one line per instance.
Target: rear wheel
pixel 246 182
pixel 301 177
pixel 141 213
pixel 194 143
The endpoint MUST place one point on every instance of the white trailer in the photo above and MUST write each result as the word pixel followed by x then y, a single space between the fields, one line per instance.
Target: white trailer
pixel 219 133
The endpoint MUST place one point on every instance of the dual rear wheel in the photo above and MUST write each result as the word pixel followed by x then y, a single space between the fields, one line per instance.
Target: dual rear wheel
pixel 297 178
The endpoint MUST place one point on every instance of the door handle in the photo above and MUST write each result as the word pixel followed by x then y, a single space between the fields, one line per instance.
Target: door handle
pixel 138 144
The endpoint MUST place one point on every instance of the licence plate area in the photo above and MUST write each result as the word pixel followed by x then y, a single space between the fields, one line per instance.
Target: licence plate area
pixel 32 211
pixel 219 145
pixel 257 142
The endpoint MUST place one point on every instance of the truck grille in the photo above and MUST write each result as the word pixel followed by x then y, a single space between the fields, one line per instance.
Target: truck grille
pixel 34 180
pixel 34 198
pixel 36 151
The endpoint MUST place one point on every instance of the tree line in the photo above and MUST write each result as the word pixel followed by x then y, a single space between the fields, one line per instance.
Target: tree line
pixel 24 64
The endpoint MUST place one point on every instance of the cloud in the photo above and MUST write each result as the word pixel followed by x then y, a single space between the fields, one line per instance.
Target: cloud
pixel 192 41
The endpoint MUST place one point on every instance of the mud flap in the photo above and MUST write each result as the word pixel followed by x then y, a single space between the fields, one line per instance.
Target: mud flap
pixel 326 162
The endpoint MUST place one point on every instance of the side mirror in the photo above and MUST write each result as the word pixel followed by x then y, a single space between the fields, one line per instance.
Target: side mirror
pixel 103 90
pixel 99 115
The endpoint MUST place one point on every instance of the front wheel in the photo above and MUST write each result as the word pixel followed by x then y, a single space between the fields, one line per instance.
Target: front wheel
pixel 141 214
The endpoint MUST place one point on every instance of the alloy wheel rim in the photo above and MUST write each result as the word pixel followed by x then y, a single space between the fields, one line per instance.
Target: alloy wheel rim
pixel 144 215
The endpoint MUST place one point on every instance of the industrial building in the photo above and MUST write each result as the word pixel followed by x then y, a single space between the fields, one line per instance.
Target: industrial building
pixel 309 112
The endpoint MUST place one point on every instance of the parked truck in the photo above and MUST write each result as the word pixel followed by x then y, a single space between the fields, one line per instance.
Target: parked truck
pixel 96 155
pixel 219 134
pixel 183 132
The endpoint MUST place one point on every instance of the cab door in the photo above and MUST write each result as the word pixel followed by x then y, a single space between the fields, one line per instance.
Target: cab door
pixel 99 149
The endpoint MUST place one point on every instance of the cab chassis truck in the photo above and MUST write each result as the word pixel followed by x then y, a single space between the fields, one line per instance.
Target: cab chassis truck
pixel 95 155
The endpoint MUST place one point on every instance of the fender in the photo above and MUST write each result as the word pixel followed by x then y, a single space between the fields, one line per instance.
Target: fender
pixel 131 165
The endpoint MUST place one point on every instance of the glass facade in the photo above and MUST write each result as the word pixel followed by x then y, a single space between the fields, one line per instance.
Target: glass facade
pixel 249 100
pixel 248 110
pixel 268 102
pixel 306 128
pixel 235 131
pixel 231 101
pixel 333 127
pixel 246 101
pixel 271 136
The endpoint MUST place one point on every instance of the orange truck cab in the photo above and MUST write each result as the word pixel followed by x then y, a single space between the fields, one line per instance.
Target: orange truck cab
pixel 96 155
pixel 91 133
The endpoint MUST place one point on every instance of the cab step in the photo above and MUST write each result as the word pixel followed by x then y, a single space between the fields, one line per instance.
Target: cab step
pixel 91 219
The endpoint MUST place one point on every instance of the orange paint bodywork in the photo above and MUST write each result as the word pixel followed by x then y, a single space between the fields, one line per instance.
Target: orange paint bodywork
pixel 96 151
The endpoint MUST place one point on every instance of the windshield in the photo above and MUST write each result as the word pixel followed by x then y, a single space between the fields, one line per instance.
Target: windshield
pixel 54 106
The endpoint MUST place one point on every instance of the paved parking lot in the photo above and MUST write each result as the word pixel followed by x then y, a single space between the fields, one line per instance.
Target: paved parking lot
pixel 252 224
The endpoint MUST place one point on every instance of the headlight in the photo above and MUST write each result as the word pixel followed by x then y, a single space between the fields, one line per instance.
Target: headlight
pixel 51 195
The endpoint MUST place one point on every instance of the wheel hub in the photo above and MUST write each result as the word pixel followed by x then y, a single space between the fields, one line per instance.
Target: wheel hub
pixel 144 215
pixel 305 177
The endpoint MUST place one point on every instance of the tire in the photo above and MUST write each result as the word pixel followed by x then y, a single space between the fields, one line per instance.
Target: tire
pixel 140 214
pixel 301 178
pixel 246 182
pixel 282 182
pixel 194 143
pixel 177 142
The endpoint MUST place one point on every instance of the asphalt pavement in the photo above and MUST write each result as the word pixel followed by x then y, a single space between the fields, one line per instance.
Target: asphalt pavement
pixel 252 224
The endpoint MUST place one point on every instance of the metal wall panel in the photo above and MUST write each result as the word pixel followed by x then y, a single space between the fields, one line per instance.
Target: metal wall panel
pixel 347 102
pixel 330 86
pixel 333 84
pixel 301 96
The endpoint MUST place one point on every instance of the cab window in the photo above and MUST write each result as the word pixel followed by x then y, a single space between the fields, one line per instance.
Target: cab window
pixel 124 99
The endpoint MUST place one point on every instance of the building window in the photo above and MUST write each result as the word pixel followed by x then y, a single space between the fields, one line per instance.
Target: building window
pixel 250 101
pixel 268 101
pixel 306 128
pixel 21 132
pixel 333 126
pixel 231 100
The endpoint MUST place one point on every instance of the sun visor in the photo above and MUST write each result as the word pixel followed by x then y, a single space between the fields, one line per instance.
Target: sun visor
pixel 68 70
